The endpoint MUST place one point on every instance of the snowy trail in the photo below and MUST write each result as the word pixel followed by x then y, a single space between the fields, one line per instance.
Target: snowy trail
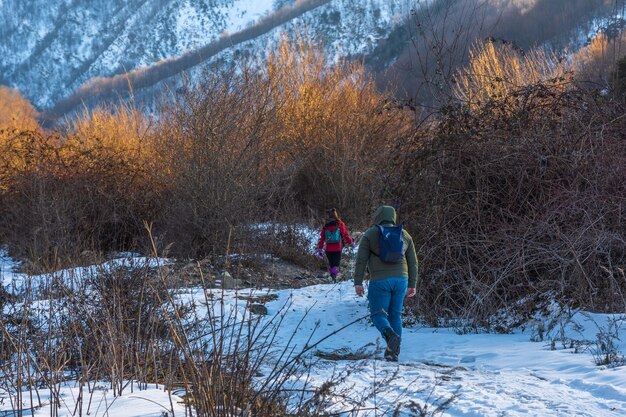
pixel 487 374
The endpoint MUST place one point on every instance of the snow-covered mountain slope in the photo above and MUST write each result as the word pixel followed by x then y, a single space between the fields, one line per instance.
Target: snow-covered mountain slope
pixel 51 48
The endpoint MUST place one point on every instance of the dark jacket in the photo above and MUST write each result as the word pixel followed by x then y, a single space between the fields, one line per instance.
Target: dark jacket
pixel 368 247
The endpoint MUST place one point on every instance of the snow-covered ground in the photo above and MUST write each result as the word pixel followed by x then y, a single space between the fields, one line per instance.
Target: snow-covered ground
pixel 441 371
pixel 98 400
pixel 16 283
pixel 486 374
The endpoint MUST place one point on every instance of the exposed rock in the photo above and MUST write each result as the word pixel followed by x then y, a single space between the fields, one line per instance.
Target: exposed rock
pixel 258 309
pixel 227 281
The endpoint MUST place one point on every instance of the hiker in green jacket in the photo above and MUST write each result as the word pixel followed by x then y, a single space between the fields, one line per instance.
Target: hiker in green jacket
pixel 391 278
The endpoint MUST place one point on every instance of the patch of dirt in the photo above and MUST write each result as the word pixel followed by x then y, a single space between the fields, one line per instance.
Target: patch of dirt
pixel 259 272
pixel 278 273
pixel 346 354
pixel 259 299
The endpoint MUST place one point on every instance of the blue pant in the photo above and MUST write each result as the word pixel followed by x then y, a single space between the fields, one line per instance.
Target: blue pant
pixel 386 297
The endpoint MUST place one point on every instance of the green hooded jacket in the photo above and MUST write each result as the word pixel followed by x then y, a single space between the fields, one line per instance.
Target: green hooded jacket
pixel 368 247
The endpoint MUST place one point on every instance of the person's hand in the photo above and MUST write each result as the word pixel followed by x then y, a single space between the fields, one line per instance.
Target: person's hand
pixel 319 254
pixel 359 290
pixel 410 292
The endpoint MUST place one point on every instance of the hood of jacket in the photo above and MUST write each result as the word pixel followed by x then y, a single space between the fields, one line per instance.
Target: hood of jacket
pixel 385 214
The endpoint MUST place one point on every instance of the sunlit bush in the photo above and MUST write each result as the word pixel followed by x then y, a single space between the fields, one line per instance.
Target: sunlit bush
pixel 333 128
pixel 496 70
pixel 597 63
pixel 16 112
pixel 87 189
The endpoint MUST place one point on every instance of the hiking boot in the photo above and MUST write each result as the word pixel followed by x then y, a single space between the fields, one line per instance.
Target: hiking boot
pixel 393 345
pixel 333 273
pixel 389 356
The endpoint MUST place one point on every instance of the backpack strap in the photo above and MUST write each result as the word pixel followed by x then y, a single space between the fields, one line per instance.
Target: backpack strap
pixel 380 231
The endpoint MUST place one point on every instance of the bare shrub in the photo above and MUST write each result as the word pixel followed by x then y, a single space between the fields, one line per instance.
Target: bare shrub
pixel 523 195
pixel 605 350
pixel 598 63
pixel 332 129
pixel 437 36
pixel 211 143
pixel 122 335
pixel 16 112
pixel 61 196
pixel 421 55
pixel 239 146
pixel 287 242
pixel 244 146
pixel 618 80
pixel 130 326
pixel 496 70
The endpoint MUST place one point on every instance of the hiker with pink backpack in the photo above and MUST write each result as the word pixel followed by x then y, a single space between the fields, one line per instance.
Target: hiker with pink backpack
pixel 334 236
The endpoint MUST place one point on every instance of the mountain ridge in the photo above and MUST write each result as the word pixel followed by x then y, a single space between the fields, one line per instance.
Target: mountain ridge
pixel 59 52
pixel 162 70
pixel 52 53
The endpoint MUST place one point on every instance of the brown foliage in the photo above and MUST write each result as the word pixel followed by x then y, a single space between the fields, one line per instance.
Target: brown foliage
pixel 433 43
pixel 332 133
pixel 498 70
pixel 62 195
pixel 237 147
pixel 517 190
pixel 596 63
pixel 522 196
pixel 16 112
pixel 296 139
pixel 211 147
